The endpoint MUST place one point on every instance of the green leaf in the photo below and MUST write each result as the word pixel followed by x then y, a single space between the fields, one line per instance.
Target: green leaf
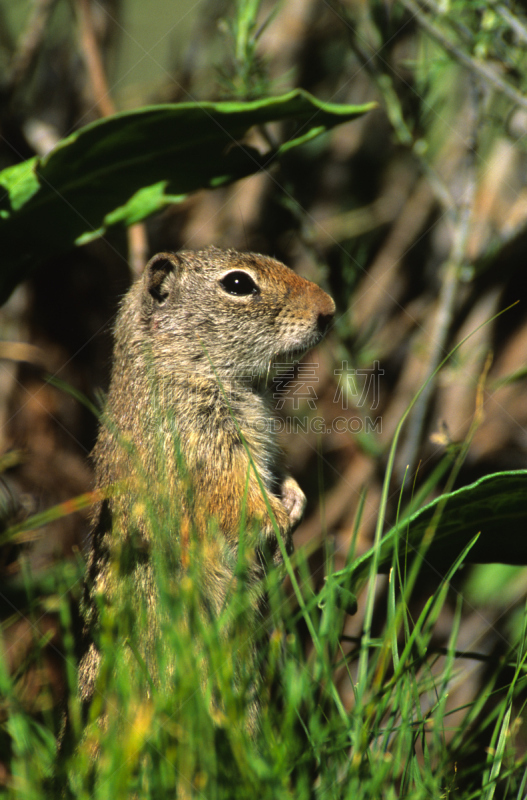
pixel 21 183
pixel 123 168
pixel 495 507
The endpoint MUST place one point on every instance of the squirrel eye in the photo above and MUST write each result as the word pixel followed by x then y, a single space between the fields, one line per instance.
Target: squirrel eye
pixel 239 283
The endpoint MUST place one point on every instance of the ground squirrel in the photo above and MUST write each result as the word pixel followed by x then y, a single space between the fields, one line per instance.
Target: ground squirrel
pixel 188 414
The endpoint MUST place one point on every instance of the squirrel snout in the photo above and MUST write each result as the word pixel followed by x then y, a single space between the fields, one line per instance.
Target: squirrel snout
pixel 326 313
pixel 324 321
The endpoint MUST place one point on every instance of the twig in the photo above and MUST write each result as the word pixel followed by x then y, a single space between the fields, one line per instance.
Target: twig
pixel 136 234
pixel 445 308
pixel 369 59
pixel 29 44
pixel 512 21
pixel 515 24
pixel 137 247
pixel 454 22
pixel 93 61
pixel 481 69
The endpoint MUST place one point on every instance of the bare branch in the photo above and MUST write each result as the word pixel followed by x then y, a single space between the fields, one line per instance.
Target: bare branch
pixel 29 43
pixel 477 67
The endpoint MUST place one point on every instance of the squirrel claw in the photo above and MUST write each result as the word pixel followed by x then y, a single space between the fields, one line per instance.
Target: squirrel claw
pixel 293 500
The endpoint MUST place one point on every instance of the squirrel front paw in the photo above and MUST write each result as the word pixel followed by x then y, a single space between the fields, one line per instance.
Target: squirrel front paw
pixel 293 500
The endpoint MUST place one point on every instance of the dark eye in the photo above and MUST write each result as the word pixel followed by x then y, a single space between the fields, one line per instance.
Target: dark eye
pixel 239 283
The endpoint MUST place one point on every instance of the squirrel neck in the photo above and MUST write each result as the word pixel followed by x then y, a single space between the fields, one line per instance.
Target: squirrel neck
pixel 194 409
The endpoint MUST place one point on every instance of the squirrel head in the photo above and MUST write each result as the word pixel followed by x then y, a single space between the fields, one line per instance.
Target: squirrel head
pixel 228 313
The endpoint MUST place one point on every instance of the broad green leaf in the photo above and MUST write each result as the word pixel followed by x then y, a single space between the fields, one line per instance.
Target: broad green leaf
pixel 123 168
pixel 495 507
pixel 21 183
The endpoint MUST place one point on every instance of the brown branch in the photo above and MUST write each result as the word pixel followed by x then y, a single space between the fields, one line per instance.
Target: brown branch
pixel 29 44
pixel 136 234
pixel 448 299
pixel 93 61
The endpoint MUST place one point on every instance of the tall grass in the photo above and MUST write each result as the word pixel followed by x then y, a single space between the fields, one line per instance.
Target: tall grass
pixel 186 728
pixel 194 703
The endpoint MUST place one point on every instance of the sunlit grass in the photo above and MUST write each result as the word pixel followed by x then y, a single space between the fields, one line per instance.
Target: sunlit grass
pixel 189 728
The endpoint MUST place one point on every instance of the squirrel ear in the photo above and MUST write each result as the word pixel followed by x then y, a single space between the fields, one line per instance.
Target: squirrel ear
pixel 157 275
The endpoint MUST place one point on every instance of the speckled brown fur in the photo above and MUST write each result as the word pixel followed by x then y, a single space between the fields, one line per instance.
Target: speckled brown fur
pixel 189 361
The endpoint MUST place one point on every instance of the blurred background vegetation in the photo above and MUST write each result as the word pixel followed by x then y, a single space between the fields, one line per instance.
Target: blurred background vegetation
pixel 413 217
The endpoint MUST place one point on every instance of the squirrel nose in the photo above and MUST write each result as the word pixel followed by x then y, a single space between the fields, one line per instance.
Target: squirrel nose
pixel 323 322
pixel 326 311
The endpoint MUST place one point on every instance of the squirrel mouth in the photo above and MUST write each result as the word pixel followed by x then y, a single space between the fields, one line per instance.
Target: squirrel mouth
pixel 290 356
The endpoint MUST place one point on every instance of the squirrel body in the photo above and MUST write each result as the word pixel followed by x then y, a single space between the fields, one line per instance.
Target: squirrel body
pixel 188 414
